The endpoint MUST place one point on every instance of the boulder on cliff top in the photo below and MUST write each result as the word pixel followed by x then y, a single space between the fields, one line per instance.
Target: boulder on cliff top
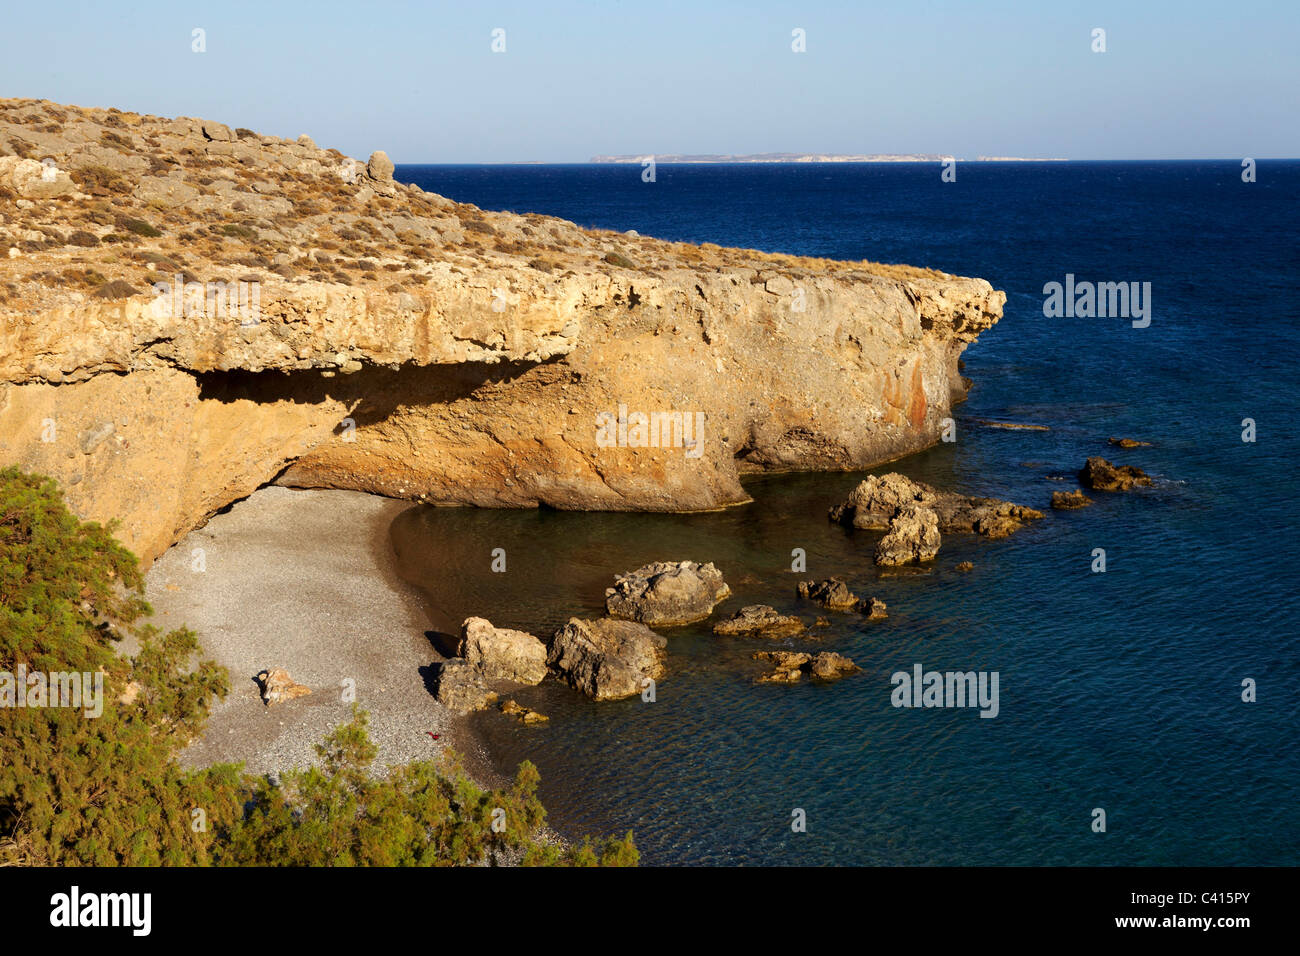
pixel 874 502
pixel 380 167
pixel 759 620
pixel 501 653
pixel 1101 475
pixel 912 539
pixel 667 593
pixel 605 658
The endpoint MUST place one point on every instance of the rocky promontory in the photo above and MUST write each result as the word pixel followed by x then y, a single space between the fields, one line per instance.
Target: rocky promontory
pixel 191 310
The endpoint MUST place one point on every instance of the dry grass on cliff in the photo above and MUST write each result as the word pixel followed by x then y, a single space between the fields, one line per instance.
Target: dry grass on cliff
pixel 133 198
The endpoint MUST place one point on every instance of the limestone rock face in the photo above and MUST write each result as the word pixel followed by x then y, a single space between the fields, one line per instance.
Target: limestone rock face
pixel 460 687
pixel 667 593
pixel 1101 475
pixel 759 620
pixel 912 539
pixel 278 686
pixel 606 658
pixel 874 502
pixel 502 654
pixel 406 345
pixel 33 180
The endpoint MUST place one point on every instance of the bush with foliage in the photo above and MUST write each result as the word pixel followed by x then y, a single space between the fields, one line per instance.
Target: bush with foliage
pixel 108 790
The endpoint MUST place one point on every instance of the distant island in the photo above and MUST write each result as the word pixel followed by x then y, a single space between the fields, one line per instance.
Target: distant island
pixel 810 158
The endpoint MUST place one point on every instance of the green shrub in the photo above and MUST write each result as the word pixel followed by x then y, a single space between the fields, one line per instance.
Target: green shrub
pixel 109 791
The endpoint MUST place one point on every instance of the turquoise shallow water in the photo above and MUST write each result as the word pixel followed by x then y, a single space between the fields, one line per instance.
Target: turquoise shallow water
pixel 1118 690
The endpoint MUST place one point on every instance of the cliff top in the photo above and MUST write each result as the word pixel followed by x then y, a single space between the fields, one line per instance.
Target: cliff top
pixel 98 203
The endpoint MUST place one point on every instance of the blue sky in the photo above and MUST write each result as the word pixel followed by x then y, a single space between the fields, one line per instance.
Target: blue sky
pixel 1183 79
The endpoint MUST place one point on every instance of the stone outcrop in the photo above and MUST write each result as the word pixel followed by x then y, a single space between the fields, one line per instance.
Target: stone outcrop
pixel 913 537
pixel 759 620
pixel 525 715
pixel 502 654
pixel 792 665
pixel 666 593
pixel 407 345
pixel 834 594
pixel 460 687
pixel 874 502
pixel 1101 475
pixel 1069 500
pixel 277 686
pixel 606 658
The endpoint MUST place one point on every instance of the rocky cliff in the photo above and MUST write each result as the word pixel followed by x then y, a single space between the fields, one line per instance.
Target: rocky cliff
pixel 188 312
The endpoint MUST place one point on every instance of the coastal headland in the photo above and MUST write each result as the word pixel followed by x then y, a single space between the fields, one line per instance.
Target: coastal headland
pixel 339 329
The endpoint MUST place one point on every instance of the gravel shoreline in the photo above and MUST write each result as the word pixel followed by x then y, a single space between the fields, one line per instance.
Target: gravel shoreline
pixel 305 580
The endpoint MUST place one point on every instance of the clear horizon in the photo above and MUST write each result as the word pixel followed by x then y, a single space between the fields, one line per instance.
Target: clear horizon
pixel 573 80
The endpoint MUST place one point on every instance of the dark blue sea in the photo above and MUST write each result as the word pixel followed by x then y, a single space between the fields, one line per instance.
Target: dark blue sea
pixel 1119 690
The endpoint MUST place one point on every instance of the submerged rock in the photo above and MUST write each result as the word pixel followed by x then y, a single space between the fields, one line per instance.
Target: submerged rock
pixel 759 620
pixel 1129 443
pixel 1101 475
pixel 606 658
pixel 1069 500
pixel 278 686
pixel 525 715
pixel 874 502
pixel 667 593
pixel 460 687
pixel 913 537
pixel 789 666
pixel 792 665
pixel 502 654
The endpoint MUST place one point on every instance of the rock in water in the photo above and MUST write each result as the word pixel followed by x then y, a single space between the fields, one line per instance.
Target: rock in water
pixel 833 594
pixel 874 608
pixel 875 501
pixel 1069 500
pixel 913 537
pixel 829 665
pixel 605 658
pixel 759 620
pixel 1129 443
pixel 667 593
pixel 789 666
pixel 792 665
pixel 1101 475
pixel 525 715
pixel 461 688
pixel 278 686
pixel 502 654
pixel 965 567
